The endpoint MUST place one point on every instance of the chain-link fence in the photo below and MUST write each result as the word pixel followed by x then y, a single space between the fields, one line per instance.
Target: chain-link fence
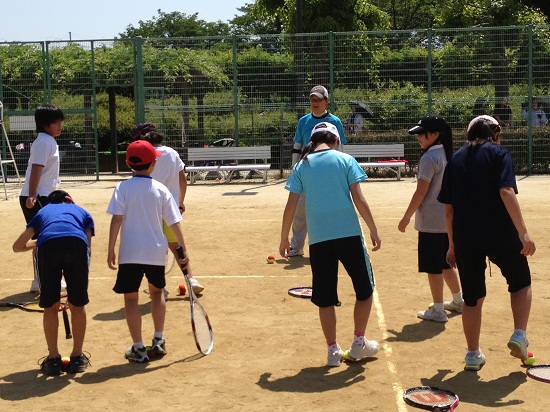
pixel 254 88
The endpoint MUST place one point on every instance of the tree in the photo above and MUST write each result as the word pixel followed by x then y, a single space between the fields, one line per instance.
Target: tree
pixel 176 24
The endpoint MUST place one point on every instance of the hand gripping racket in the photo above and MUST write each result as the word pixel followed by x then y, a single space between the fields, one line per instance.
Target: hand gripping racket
pixel 431 398
pixel 202 330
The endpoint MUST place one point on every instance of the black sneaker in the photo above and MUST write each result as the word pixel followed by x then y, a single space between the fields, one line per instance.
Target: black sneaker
pixel 51 366
pixel 139 356
pixel 79 363
pixel 159 347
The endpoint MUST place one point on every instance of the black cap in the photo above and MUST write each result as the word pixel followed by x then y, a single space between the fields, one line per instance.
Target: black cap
pixel 430 123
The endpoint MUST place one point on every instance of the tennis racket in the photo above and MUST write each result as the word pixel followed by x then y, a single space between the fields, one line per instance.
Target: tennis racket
pixel 303 292
pixel 539 372
pixel 64 307
pixel 431 398
pixel 202 330
pixel 169 261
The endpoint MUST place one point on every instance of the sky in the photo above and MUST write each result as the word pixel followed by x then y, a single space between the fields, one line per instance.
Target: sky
pixel 41 20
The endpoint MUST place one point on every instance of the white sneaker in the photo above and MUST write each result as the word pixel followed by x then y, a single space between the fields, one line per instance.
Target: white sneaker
pixel 197 287
pixel 63 286
pixel 292 252
pixel 451 306
pixel 335 354
pixel 359 351
pixel 474 362
pixel 433 314
pixel 518 346
pixel 35 286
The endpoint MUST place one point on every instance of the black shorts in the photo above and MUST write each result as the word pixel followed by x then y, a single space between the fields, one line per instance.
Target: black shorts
pixel 130 275
pixel 432 252
pixel 68 257
pixel 324 258
pixel 471 263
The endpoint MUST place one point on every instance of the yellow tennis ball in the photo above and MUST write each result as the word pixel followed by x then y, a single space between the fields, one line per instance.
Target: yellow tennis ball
pixel 530 360
pixel 271 259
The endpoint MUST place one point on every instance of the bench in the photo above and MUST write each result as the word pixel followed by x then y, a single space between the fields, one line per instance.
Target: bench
pixel 388 156
pixel 225 160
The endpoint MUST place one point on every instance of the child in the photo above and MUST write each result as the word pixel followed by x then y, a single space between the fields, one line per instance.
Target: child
pixel 327 178
pixel 42 175
pixel 139 205
pixel 318 101
pixel 170 171
pixel 435 139
pixel 484 220
pixel 63 248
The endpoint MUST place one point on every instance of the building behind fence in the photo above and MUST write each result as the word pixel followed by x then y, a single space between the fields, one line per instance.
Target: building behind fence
pixel 254 88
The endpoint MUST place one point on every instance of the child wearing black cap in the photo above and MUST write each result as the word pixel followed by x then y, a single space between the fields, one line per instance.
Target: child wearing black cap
pixel 435 138
pixel 63 246
pixel 138 207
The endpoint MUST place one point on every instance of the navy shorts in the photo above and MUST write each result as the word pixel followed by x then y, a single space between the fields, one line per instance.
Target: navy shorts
pixel 471 263
pixel 68 257
pixel 130 275
pixel 432 252
pixel 324 258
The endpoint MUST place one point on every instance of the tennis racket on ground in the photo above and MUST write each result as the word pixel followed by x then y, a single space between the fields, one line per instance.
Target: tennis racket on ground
pixel 202 330
pixel 539 372
pixel 301 292
pixel 431 398
pixel 26 306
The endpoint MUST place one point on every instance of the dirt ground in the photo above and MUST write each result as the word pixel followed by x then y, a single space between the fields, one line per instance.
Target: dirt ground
pixel 269 351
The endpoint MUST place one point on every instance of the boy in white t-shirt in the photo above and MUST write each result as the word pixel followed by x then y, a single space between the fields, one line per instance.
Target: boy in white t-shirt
pixel 139 206
pixel 170 171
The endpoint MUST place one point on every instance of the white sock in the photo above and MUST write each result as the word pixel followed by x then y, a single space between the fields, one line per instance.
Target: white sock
pixel 439 307
pixel 158 335
pixel 138 345
pixel 457 297
pixel 520 332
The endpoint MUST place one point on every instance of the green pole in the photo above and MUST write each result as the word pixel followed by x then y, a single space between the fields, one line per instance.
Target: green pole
pixel 429 71
pixel 47 73
pixel 530 102
pixel 235 89
pixel 140 83
pixel 331 70
pixel 94 110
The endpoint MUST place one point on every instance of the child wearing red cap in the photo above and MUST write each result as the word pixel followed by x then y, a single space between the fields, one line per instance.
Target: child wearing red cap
pixel 138 207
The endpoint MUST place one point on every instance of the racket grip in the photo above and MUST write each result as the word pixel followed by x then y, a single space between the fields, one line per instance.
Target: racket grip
pixel 181 255
pixel 68 334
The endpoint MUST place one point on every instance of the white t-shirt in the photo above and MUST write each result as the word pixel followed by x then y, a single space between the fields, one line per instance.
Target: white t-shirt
pixel 144 203
pixel 167 170
pixel 44 152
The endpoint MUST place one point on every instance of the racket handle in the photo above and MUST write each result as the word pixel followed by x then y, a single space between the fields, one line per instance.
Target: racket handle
pixel 68 334
pixel 181 255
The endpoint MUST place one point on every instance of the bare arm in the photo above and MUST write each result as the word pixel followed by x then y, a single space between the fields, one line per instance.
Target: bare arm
pixel 89 236
pixel 510 201
pixel 288 217
pixel 34 179
pixel 176 227
pixel 449 216
pixel 24 241
pixel 183 189
pixel 422 187
pixel 116 222
pixel 364 210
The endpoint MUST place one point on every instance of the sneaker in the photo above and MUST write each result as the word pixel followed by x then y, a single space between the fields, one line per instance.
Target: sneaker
pixel 159 347
pixel 451 306
pixel 51 366
pixel 474 362
pixel 359 351
pixel 197 287
pixel 166 293
pixel 518 346
pixel 433 314
pixel 35 286
pixel 79 363
pixel 293 252
pixel 335 354
pixel 139 356
pixel 63 286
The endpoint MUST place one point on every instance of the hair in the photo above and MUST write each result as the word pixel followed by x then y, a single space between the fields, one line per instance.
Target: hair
pixel 141 130
pixel 45 115
pixel 59 196
pixel 138 168
pixel 445 138
pixel 317 139
pixel 481 131
pixel 153 137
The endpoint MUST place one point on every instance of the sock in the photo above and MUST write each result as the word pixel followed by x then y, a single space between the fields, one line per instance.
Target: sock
pixel 358 338
pixel 520 332
pixel 474 353
pixel 457 297
pixel 158 335
pixel 334 343
pixel 439 306
pixel 138 345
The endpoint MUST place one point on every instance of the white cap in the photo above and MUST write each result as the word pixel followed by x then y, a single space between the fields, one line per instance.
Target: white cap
pixel 325 127
pixel 491 121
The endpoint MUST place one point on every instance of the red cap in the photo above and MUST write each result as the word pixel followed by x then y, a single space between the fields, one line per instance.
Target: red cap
pixel 140 153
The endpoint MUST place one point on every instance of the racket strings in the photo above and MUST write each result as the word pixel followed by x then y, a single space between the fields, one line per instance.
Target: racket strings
pixel 202 330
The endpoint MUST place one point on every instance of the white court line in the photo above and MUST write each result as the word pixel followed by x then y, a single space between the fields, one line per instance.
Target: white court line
pixel 201 277
pixel 397 388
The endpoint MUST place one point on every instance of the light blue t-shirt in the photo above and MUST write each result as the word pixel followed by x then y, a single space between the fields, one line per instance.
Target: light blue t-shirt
pixel 309 121
pixel 324 178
